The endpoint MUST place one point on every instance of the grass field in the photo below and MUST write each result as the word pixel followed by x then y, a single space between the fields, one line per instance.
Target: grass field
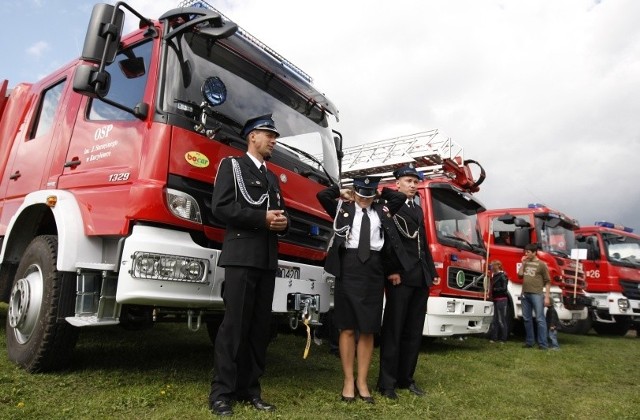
pixel 164 373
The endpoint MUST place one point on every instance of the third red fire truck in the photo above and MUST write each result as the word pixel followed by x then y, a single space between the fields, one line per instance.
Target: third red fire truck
pixel 457 304
pixel 507 231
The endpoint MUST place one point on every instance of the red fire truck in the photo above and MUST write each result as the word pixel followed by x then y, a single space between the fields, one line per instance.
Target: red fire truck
pixel 507 231
pixel 108 167
pixel 612 271
pixel 457 305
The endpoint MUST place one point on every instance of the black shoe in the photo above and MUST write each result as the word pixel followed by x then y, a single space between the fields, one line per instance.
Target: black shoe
pixel 416 390
pixel 347 399
pixel 389 393
pixel 259 404
pixel 221 408
pixel 368 399
pixel 527 346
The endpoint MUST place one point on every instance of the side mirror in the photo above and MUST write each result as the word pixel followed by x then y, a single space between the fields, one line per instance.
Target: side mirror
pixel 88 81
pixel 507 219
pixel 132 67
pixel 519 222
pixel 103 34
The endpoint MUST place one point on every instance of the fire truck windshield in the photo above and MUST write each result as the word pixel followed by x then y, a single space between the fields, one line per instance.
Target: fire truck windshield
pixel 455 219
pixel 202 76
pixel 556 236
pixel 622 249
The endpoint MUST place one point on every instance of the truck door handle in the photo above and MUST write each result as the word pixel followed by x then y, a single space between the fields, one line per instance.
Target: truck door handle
pixel 72 163
pixel 15 175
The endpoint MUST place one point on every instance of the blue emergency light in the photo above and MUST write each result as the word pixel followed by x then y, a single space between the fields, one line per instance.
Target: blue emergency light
pixel 535 205
pixel 614 226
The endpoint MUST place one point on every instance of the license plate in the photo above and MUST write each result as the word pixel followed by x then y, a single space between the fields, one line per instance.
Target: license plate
pixel 288 272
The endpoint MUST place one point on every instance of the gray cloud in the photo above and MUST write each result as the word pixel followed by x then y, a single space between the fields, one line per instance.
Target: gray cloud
pixel 545 94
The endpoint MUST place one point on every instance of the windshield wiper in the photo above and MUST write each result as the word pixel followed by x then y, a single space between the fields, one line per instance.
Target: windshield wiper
pixel 474 248
pixel 311 158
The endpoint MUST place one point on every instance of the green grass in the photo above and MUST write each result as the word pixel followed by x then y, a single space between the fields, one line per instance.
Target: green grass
pixel 164 373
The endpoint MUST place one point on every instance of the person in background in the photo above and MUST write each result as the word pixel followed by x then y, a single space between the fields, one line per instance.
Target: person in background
pixel 406 296
pixel 247 200
pixel 552 326
pixel 499 282
pixel 536 294
pixel 360 255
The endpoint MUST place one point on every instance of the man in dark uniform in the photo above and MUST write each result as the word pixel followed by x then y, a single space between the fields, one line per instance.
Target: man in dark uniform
pixel 406 297
pixel 247 199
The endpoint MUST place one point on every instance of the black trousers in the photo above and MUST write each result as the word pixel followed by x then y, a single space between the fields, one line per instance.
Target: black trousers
pixel 401 338
pixel 243 337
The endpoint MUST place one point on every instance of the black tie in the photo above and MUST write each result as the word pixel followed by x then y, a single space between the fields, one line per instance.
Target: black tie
pixel 364 245
pixel 263 170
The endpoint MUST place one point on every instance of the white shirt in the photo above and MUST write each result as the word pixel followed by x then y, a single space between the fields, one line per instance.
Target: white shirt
pixel 257 162
pixel 376 239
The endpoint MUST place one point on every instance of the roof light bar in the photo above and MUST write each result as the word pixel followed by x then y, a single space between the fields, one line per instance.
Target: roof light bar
pixel 614 226
pixel 252 39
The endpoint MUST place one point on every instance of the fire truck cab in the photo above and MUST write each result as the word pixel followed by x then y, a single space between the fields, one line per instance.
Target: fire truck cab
pixel 108 166
pixel 457 305
pixel 612 271
pixel 507 231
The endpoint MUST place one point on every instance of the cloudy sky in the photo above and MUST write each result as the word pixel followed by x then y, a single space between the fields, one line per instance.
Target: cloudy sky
pixel 545 94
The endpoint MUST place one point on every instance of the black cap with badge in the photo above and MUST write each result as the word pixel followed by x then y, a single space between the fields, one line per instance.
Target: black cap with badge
pixel 366 186
pixel 407 170
pixel 263 122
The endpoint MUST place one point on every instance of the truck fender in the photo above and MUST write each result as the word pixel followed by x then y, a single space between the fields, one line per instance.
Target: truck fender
pixel 74 246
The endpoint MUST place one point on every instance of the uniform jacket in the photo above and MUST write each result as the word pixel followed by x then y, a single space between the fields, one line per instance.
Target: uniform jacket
pixel 422 269
pixel 247 240
pixel 388 204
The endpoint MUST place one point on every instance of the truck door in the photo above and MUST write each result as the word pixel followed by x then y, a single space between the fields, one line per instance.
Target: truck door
pixel 107 143
pixel 31 161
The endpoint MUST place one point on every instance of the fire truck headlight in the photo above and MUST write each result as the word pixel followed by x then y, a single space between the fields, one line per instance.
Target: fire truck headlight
pixel 623 304
pixel 151 266
pixel 183 205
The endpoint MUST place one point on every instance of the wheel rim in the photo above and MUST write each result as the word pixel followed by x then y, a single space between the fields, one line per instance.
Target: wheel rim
pixel 25 303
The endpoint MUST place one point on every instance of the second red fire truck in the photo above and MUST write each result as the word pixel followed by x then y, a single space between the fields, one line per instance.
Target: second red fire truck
pixel 457 305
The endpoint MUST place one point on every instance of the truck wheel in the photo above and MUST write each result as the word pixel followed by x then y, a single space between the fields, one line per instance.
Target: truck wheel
pixel 36 340
pixel 580 327
pixel 619 328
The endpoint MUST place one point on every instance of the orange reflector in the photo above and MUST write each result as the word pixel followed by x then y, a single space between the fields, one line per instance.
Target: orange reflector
pixel 52 200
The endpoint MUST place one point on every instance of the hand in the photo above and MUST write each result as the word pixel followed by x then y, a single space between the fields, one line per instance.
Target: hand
pixel 547 301
pixel 394 279
pixel 276 220
pixel 436 280
pixel 524 258
pixel 346 194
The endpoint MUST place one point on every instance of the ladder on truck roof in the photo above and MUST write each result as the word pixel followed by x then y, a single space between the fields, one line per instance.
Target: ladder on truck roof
pixel 430 152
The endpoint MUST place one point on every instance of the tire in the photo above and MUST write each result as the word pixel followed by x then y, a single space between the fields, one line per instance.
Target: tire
pixel 580 327
pixel 619 328
pixel 36 340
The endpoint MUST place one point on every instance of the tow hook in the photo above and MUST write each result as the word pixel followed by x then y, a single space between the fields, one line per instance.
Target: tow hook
pixel 191 318
pixel 303 307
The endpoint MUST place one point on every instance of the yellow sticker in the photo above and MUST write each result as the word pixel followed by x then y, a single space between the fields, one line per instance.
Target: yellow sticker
pixel 196 159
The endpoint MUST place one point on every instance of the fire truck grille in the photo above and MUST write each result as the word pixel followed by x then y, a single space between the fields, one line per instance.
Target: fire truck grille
pixel 630 289
pixel 304 230
pixel 463 279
